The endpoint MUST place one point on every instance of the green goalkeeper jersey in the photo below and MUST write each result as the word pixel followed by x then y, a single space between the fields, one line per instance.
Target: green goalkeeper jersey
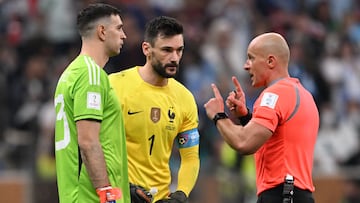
pixel 83 92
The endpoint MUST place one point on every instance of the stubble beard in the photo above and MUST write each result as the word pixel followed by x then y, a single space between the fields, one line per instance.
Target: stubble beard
pixel 161 69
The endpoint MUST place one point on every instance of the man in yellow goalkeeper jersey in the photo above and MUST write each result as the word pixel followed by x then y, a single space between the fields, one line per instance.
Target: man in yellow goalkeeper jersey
pixel 158 112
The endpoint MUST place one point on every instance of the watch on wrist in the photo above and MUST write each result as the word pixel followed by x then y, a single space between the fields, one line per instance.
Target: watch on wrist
pixel 245 119
pixel 218 116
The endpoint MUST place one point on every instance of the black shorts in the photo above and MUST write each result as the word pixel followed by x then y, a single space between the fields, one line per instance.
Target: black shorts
pixel 274 195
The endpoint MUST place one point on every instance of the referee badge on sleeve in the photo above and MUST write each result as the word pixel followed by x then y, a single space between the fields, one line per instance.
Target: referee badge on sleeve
pixel 269 99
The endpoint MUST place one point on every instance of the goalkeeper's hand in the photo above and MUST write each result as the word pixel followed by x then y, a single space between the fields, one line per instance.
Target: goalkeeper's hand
pixel 175 197
pixel 139 194
pixel 108 194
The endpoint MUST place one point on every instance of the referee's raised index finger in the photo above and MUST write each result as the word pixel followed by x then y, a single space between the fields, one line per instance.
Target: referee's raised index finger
pixel 237 84
pixel 216 91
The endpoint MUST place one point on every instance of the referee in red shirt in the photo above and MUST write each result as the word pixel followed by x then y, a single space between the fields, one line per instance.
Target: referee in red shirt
pixel 282 129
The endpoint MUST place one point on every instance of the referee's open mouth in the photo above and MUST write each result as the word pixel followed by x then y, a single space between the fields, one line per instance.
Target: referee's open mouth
pixel 251 76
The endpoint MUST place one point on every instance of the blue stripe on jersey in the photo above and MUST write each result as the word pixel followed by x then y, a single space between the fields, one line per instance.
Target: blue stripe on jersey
pixel 188 138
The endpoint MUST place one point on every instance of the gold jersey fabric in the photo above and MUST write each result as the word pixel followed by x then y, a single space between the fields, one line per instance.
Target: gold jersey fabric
pixel 154 118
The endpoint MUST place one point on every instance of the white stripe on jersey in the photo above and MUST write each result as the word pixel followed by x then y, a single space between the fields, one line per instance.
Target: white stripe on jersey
pixel 98 74
pixel 93 70
pixel 89 69
pixel 93 67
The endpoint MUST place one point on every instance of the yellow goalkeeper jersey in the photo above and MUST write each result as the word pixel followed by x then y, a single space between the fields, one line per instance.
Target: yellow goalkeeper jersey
pixel 154 117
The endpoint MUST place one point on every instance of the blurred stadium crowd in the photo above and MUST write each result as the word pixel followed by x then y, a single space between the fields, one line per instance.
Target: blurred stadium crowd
pixel 38 39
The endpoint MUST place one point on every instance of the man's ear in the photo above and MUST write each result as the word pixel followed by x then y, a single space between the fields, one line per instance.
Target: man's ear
pixel 100 31
pixel 272 61
pixel 146 48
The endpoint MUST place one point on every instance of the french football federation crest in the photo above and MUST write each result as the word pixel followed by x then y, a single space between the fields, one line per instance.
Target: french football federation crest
pixel 155 114
pixel 171 114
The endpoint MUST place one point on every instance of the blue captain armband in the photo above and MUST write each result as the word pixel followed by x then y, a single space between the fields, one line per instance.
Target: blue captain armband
pixel 188 138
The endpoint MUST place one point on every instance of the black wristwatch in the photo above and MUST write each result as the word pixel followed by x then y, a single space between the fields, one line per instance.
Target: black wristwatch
pixel 245 119
pixel 219 116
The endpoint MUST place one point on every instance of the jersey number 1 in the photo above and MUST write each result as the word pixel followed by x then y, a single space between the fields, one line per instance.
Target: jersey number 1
pixel 151 139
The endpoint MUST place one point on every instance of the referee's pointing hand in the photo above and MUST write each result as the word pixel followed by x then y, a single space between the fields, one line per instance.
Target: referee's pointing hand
pixel 215 104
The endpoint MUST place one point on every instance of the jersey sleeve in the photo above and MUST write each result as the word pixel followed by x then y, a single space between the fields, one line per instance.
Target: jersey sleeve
pixel 191 120
pixel 274 106
pixel 189 169
pixel 188 143
pixel 188 135
pixel 90 94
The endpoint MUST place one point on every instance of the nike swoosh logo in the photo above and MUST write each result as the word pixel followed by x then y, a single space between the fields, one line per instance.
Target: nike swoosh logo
pixel 133 112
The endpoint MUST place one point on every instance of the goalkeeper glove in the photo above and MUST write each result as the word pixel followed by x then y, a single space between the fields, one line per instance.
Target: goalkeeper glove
pixel 139 194
pixel 175 197
pixel 108 194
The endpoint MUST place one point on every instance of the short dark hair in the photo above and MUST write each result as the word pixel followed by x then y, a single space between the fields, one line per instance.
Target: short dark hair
pixel 92 13
pixel 162 25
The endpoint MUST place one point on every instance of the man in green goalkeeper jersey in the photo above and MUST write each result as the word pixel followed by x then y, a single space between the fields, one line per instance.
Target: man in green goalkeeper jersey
pixel 90 150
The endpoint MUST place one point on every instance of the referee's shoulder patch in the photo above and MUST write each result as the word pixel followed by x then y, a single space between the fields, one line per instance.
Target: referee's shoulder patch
pixel 269 99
